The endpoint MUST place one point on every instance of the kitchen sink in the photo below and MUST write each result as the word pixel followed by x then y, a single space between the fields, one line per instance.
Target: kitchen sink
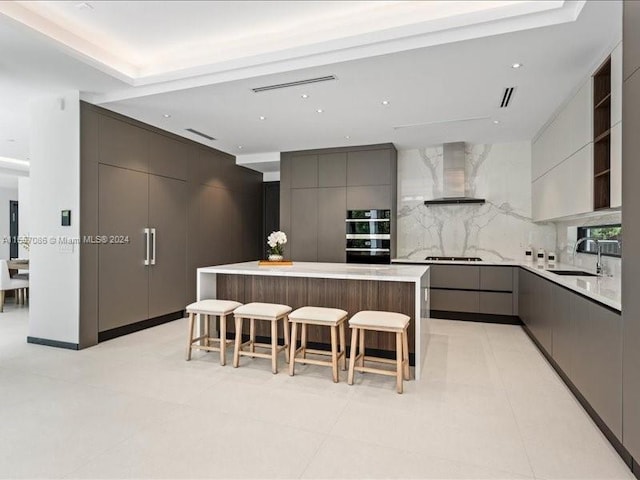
pixel 575 273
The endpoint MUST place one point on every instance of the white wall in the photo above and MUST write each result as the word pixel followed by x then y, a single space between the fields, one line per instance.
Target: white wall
pixel 501 229
pixel 24 213
pixel 6 194
pixel 55 186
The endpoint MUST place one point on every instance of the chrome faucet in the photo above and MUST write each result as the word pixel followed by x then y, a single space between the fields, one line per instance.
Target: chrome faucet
pixel 599 250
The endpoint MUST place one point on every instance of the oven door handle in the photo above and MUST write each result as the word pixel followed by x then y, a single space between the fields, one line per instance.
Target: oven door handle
pixel 368 250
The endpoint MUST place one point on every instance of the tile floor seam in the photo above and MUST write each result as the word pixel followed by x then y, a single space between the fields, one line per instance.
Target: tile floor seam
pixel 513 413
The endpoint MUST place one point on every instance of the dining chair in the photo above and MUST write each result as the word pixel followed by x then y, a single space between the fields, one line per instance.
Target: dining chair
pixel 8 283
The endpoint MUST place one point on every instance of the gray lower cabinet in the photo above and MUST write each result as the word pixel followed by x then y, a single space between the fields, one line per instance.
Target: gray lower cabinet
pixel 496 303
pixel 123 292
pixel 486 290
pixel 563 334
pixel 584 339
pixel 455 301
pixel 304 224
pixel 460 277
pixel 331 224
pixel 496 278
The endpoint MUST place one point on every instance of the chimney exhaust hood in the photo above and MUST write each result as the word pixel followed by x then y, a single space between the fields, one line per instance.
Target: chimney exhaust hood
pixel 454 175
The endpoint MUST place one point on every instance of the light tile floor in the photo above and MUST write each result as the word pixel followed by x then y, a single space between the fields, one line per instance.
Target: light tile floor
pixel 488 407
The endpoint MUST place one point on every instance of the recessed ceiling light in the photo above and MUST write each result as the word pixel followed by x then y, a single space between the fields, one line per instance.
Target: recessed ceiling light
pixel 319 110
pixel 240 147
pixel 385 102
pixel 167 115
pixel 347 137
pixel 262 117
pixel 517 65
pixel 496 122
pixel 304 95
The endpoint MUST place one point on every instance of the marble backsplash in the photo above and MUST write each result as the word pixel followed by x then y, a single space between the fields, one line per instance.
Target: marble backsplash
pixel 501 229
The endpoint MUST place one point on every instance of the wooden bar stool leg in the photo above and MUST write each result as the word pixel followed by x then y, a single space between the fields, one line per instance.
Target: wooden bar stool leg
pixel 343 347
pixel 287 338
pixel 292 348
pixel 362 349
pixel 399 362
pixel 207 329
pixel 352 359
pixel 236 350
pixel 303 340
pixel 189 343
pixel 252 335
pixel 274 346
pixel 223 340
pixel 334 353
pixel 405 351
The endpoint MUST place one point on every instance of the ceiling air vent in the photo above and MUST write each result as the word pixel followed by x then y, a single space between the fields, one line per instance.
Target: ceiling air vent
pixel 507 95
pixel 203 135
pixel 294 84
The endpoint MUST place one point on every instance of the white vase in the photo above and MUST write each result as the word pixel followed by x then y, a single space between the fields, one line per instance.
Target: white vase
pixel 274 257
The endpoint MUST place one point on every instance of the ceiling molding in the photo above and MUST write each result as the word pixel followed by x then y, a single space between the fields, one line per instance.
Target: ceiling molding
pixel 416 29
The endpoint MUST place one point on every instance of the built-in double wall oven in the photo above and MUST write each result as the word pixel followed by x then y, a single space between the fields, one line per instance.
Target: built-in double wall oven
pixel 368 236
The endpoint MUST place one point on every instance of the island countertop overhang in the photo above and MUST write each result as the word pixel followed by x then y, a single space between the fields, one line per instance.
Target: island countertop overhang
pixel 389 273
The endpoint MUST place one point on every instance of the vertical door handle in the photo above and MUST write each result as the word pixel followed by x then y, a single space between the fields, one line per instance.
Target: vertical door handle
pixel 147 239
pixel 153 246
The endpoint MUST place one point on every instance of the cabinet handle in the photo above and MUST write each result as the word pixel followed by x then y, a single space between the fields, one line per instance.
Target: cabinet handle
pixel 153 246
pixel 147 239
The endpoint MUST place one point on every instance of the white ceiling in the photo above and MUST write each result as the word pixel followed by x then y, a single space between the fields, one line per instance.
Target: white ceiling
pixel 433 74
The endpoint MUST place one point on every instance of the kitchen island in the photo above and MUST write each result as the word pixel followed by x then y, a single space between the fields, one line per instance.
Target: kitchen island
pixel 397 288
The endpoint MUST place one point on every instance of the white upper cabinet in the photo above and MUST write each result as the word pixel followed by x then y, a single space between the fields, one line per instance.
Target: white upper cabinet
pixel 562 154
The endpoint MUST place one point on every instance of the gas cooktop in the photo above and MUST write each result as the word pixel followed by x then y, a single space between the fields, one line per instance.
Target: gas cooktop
pixel 454 259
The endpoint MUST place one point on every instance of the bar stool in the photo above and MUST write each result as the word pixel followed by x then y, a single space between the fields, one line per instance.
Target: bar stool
pixel 380 322
pixel 271 312
pixel 209 308
pixel 333 318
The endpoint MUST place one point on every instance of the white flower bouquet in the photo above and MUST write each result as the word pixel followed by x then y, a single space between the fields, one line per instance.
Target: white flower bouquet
pixel 276 241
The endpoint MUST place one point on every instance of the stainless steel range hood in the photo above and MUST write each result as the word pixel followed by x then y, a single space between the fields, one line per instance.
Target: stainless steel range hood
pixel 454 177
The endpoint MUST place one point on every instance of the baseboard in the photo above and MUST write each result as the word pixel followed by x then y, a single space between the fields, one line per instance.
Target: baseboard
pixel 476 317
pixel 136 327
pixel 613 440
pixel 372 352
pixel 53 343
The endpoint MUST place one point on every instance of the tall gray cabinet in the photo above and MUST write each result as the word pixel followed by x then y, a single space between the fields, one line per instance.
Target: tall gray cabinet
pixel 630 202
pixel 154 196
pixel 317 187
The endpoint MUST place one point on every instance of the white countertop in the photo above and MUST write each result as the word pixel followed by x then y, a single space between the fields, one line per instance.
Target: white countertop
pixel 390 273
pixel 606 290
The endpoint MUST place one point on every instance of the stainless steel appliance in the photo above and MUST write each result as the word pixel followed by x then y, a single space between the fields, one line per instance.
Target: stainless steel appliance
pixel 368 236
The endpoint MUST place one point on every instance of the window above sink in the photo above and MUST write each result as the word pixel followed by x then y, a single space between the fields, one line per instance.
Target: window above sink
pixel 609 237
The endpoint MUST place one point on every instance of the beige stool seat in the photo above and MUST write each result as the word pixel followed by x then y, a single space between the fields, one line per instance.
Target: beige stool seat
pixel 271 312
pixel 208 308
pixel 335 319
pixel 392 322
